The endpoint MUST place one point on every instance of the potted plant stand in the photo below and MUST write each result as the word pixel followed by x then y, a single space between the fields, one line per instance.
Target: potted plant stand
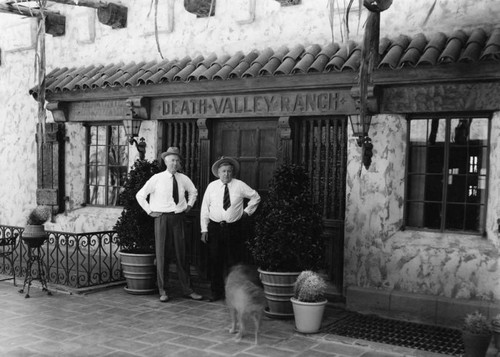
pixel 287 237
pixel 476 335
pixel 309 302
pixel 135 230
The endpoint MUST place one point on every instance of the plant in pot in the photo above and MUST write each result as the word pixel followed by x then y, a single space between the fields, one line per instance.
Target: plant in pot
pixel 495 328
pixel 476 334
pixel 287 237
pixel 135 231
pixel 309 301
pixel 34 234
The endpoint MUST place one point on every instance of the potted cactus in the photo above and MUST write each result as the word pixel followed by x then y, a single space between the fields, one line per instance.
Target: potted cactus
pixel 476 334
pixel 309 301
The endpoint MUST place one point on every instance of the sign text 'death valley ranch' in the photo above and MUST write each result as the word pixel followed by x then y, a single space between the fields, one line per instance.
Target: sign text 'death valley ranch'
pixel 334 102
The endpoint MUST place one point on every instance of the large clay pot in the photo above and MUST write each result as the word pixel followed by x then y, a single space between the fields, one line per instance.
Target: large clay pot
pixel 34 235
pixel 308 315
pixel 139 271
pixel 475 345
pixel 278 289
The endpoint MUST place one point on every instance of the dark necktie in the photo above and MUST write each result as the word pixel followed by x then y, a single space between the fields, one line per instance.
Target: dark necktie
pixel 175 190
pixel 227 200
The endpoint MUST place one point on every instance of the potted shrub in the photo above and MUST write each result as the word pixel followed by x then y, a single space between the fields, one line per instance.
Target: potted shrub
pixel 135 231
pixel 495 328
pixel 287 237
pixel 34 232
pixel 309 301
pixel 476 334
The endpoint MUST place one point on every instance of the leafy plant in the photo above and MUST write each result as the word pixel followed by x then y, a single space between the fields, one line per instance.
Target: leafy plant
pixel 39 215
pixel 309 287
pixel 288 225
pixel 476 323
pixel 135 228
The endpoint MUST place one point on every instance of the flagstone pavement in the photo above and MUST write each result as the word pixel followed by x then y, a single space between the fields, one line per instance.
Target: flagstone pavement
pixel 111 322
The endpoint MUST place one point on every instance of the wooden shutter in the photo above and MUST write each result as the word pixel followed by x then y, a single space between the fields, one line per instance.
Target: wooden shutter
pixel 50 167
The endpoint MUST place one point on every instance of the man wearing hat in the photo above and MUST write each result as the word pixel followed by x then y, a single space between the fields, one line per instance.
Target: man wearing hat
pixel 222 211
pixel 167 204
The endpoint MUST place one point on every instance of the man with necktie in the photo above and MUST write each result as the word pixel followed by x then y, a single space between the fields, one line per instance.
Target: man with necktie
pixel 222 211
pixel 167 204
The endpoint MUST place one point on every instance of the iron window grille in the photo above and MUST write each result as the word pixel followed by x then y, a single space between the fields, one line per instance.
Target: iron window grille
pixel 107 164
pixel 447 173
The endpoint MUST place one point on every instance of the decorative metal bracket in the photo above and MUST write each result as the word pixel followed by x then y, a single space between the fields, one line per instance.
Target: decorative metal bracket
pixel 59 111
pixel 372 100
pixel 138 108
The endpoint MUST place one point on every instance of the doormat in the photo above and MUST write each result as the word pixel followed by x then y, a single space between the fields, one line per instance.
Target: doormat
pixel 398 333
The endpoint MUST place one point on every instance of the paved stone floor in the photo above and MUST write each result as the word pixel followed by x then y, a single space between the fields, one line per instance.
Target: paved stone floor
pixel 111 322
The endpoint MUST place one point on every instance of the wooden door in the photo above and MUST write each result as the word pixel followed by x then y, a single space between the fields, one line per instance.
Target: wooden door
pixel 254 143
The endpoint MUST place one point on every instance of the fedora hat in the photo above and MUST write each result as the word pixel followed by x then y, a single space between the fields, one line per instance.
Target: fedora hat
pixel 225 160
pixel 171 151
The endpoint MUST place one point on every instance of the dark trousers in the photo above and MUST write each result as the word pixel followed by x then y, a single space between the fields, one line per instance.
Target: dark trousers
pixel 170 243
pixel 226 245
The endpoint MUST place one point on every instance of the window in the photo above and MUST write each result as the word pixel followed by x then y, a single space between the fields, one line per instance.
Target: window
pixel 107 164
pixel 447 173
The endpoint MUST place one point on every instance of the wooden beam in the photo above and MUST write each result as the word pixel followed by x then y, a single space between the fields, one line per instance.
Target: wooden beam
pixel 55 23
pixel 108 13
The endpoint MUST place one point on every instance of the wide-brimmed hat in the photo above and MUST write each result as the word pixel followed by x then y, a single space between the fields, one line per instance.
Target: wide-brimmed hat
pixel 171 151
pixel 225 160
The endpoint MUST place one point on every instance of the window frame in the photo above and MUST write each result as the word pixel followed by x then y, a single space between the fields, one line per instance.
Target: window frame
pixel 107 186
pixel 448 117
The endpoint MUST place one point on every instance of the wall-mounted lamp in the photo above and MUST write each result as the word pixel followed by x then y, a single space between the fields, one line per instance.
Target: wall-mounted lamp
pixel 132 127
pixel 360 126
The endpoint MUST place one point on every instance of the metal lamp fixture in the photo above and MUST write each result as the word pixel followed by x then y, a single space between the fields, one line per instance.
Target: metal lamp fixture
pixel 132 127
pixel 360 126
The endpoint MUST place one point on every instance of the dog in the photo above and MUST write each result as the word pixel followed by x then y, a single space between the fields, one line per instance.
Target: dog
pixel 245 299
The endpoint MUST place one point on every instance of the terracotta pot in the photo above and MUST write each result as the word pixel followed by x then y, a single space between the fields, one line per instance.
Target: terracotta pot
pixel 308 315
pixel 278 289
pixel 34 235
pixel 139 271
pixel 475 345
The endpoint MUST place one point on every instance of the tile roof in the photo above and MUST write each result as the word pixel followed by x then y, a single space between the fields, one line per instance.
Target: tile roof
pixel 403 51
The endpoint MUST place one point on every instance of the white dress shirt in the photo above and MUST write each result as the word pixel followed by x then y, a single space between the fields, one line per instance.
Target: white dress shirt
pixel 159 189
pixel 211 206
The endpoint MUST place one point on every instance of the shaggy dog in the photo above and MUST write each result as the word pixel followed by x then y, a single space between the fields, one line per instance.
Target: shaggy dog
pixel 245 299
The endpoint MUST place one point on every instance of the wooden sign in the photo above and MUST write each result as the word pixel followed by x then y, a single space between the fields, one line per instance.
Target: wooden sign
pixel 280 104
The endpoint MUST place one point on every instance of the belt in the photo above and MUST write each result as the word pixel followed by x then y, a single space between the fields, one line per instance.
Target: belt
pixel 223 223
pixel 171 213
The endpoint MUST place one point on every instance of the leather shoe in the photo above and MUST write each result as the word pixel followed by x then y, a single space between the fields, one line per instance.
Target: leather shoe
pixel 194 296
pixel 164 298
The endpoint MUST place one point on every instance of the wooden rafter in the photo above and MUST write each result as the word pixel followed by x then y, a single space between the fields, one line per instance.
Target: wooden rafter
pixel 108 13
pixel 55 23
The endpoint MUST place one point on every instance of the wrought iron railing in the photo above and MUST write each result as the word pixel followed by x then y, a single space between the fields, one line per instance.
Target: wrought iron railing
pixel 77 260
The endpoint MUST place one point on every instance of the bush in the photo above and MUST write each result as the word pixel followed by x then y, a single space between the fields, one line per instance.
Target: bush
pixel 476 323
pixel 309 287
pixel 288 225
pixel 135 228
pixel 39 215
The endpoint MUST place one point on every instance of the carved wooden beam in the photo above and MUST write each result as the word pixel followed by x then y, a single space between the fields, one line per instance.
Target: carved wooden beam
pixel 55 23
pixel 108 13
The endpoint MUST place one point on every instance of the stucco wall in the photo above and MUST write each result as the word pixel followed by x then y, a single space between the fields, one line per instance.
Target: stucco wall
pixel 378 254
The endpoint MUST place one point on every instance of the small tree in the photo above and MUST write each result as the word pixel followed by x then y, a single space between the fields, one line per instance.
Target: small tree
pixel 289 225
pixel 135 228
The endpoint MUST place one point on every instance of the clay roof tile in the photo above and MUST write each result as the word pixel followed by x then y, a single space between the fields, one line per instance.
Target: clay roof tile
pixel 396 50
